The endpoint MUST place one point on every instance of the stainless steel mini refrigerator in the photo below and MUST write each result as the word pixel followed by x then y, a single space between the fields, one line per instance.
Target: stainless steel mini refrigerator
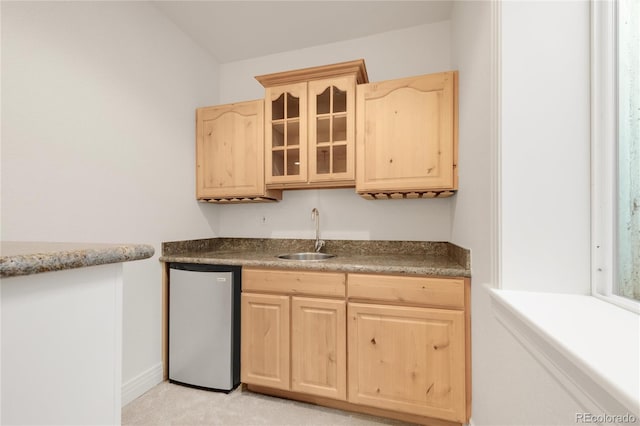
pixel 204 325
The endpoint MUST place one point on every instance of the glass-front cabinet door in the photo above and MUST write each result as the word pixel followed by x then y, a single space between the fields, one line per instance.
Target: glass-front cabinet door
pixel 286 134
pixel 331 129
pixel 310 125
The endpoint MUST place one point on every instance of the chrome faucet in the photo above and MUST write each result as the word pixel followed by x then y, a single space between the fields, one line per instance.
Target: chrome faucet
pixel 315 215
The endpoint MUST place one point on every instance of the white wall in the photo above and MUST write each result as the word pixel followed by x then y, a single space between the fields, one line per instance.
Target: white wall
pixel 545 189
pixel 98 104
pixel 471 208
pixel 343 214
pixel 470 47
pixel 546 146
pixel 62 346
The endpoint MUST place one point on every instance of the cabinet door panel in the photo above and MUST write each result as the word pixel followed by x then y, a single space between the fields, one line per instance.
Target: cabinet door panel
pixel 332 129
pixel 265 340
pixel 318 347
pixel 407 359
pixel 230 150
pixel 406 139
pixel 286 134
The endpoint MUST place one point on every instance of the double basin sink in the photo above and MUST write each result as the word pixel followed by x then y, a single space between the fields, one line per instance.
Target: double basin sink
pixel 308 256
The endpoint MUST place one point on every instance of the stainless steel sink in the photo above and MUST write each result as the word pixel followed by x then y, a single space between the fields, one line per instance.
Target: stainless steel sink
pixel 309 256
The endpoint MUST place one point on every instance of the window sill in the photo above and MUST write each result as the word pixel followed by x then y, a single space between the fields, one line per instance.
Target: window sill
pixel 591 346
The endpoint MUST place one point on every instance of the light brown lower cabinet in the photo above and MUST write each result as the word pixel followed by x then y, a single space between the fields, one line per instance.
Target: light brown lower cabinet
pixel 265 340
pixel 293 342
pixel 394 346
pixel 407 359
pixel 318 347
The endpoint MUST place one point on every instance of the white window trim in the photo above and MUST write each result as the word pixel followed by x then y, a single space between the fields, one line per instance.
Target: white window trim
pixel 604 125
pixel 578 357
pixel 576 349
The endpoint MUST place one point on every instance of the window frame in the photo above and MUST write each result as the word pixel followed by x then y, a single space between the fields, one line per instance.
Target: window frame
pixel 604 129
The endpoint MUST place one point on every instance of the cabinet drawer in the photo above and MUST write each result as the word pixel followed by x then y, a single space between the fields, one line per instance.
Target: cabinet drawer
pixel 444 292
pixel 294 282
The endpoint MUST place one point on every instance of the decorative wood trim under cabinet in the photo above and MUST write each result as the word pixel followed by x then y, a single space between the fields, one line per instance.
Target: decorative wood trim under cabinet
pixel 356 68
pixel 277 195
pixel 401 195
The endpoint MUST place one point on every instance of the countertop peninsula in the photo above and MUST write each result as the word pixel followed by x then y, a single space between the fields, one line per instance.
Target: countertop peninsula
pixel 363 256
pixel 25 258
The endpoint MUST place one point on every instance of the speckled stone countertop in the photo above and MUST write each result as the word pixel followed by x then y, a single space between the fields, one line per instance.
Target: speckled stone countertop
pixel 393 257
pixel 26 258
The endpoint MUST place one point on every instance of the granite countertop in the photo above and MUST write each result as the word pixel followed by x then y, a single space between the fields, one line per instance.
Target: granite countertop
pixel 26 258
pixel 396 257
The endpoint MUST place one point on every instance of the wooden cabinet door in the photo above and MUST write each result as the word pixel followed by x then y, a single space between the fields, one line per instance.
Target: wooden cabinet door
pixel 230 150
pixel 332 130
pixel 318 347
pixel 406 134
pixel 407 359
pixel 286 134
pixel 265 340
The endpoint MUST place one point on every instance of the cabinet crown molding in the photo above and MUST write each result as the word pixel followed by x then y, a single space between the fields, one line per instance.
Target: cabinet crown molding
pixel 341 69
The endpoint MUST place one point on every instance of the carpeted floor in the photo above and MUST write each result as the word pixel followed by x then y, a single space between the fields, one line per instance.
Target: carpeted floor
pixel 169 404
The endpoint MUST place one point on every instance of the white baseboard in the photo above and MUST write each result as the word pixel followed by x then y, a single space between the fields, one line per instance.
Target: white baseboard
pixel 141 383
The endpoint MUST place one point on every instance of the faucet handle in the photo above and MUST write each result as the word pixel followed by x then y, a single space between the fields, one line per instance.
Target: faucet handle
pixel 319 244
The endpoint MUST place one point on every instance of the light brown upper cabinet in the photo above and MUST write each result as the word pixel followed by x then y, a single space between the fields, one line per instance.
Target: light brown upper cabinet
pixel 230 154
pixel 327 127
pixel 286 134
pixel 310 126
pixel 407 139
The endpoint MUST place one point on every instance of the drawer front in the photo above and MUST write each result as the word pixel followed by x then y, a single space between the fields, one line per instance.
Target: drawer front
pixel 331 284
pixel 440 292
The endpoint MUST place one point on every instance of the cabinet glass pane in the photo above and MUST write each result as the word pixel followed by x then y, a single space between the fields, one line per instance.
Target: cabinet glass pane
pixel 277 161
pixel 293 162
pixel 340 159
pixel 277 108
pixel 293 133
pixel 323 101
pixel 277 135
pixel 339 129
pixel 323 160
pixel 293 106
pixel 339 100
pixel 322 130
